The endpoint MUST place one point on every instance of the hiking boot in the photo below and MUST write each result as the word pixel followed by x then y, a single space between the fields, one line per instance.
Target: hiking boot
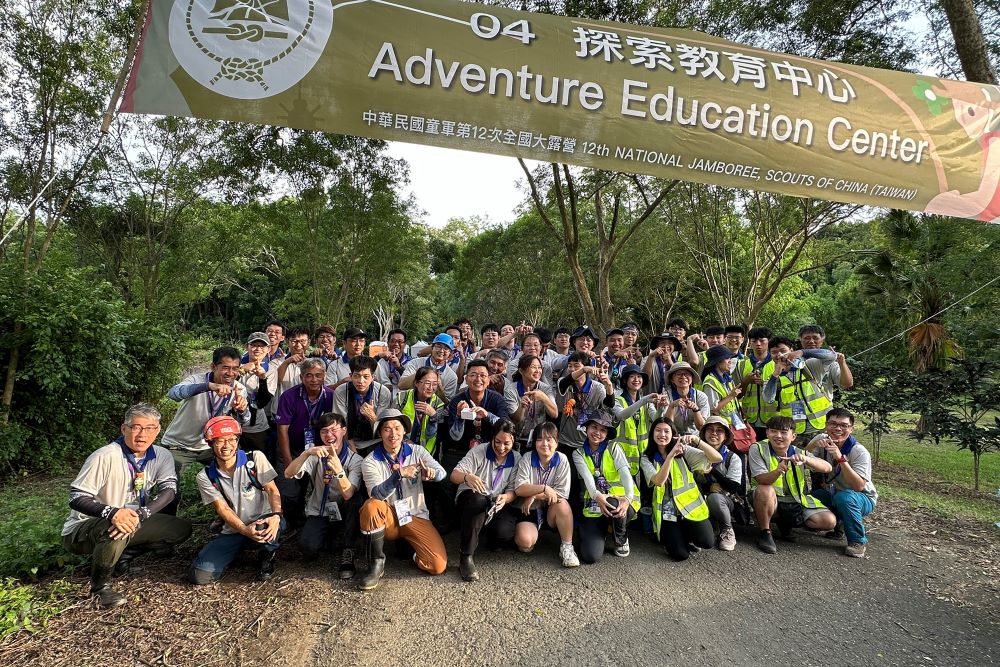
pixel 837 533
pixel 108 597
pixel 727 539
pixel 623 550
pixel 785 531
pixel 568 556
pixel 467 568
pixel 266 568
pixel 855 550
pixel 346 568
pixel 124 565
pixel 765 542
pixel 376 562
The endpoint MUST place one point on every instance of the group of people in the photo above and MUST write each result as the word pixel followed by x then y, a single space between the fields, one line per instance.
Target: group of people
pixel 527 431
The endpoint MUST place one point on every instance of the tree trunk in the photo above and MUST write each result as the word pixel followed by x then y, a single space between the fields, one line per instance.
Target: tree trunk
pixel 969 42
pixel 975 466
pixel 8 387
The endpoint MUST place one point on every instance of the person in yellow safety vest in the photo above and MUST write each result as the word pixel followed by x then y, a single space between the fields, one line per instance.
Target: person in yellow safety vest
pixel 795 386
pixel 633 414
pixel 778 478
pixel 609 495
pixel 425 409
pixel 722 391
pixel 722 485
pixel 680 513
pixel 752 371
pixel 696 346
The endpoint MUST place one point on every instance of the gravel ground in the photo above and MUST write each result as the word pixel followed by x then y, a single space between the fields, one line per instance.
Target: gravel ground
pixel 927 594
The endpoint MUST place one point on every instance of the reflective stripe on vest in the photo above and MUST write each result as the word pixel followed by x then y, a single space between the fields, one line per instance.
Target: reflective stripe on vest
pixel 684 492
pixel 610 472
pixel 755 409
pixel 796 487
pixel 632 437
pixel 814 401
pixel 408 408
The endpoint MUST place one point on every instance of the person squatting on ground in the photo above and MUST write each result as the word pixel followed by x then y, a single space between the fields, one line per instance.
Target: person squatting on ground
pixel 394 474
pixel 241 489
pixel 116 503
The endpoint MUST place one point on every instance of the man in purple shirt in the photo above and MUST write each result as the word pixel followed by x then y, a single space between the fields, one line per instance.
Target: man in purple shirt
pixel 299 408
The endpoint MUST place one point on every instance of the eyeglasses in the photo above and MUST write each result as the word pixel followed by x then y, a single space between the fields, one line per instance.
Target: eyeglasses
pixel 481 376
pixel 234 369
pixel 839 426
pixel 428 383
pixel 220 442
pixel 135 429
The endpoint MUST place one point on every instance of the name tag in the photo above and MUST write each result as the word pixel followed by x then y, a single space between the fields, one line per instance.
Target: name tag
pixel 309 438
pixel 332 511
pixel 668 511
pixel 403 515
pixel 798 410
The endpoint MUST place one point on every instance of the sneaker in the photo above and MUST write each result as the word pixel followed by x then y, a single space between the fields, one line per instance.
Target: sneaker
pixel 855 550
pixel 568 556
pixel 785 531
pixel 693 548
pixel 765 541
pixel 346 568
pixel 622 550
pixel 727 539
pixel 108 597
pixel 837 533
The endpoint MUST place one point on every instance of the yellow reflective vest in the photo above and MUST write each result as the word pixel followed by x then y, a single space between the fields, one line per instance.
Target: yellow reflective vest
pixel 684 492
pixel 406 400
pixel 755 409
pixel 803 400
pixel 612 476
pixel 633 434
pixel 722 390
pixel 792 483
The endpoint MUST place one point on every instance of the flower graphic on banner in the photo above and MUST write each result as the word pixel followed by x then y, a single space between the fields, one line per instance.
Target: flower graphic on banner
pixel 935 102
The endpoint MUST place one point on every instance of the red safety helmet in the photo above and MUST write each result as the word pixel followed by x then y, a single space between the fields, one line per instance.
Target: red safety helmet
pixel 217 427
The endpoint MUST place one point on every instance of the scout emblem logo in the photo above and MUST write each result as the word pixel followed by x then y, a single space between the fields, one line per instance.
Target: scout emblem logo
pixel 249 49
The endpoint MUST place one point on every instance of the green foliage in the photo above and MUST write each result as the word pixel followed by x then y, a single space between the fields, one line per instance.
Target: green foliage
pixel 33 512
pixel 83 359
pixel 878 392
pixel 30 608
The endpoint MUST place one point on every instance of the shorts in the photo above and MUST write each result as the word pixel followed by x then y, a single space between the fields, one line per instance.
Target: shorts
pixel 790 511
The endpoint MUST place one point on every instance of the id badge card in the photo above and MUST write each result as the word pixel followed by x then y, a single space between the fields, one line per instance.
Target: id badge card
pixel 403 515
pixel 668 511
pixel 594 507
pixel 738 423
pixel 309 438
pixel 332 511
pixel 798 410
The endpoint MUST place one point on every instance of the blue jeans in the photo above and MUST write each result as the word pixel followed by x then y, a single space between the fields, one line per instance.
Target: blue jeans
pixel 850 507
pixel 216 556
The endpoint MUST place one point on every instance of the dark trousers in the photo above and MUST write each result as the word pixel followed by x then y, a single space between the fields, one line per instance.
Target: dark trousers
pixel 594 534
pixel 213 559
pixel 472 508
pixel 293 494
pixel 676 535
pixel 441 495
pixel 250 442
pixel 91 538
pixel 346 531
pixel 575 486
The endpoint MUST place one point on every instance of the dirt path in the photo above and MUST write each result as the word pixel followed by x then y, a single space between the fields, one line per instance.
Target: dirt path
pixel 927 594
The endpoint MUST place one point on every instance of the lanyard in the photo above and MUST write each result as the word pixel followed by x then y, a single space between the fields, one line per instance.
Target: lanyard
pixel 312 409
pixel 215 403
pixel 328 477
pixel 400 461
pixel 138 472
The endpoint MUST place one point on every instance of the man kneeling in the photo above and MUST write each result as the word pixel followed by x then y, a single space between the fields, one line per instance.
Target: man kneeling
pixel 241 488
pixel 779 485
pixel 115 500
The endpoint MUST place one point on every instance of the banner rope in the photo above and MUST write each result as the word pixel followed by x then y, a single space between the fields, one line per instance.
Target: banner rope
pixel 140 22
pixel 928 319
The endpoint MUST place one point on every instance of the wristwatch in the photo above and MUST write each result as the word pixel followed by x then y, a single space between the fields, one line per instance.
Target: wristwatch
pixel 340 475
pixel 842 459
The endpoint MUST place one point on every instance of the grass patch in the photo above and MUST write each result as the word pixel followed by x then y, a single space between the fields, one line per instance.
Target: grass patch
pixel 33 511
pixel 28 608
pixel 943 506
pixel 945 462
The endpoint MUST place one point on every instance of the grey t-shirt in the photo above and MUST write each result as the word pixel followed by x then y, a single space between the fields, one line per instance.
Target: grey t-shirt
pixel 377 469
pixel 570 432
pixel 186 429
pixel 247 501
pixel 860 461
pixel 253 383
pixel 684 419
pixel 694 458
pixel 107 477
pixel 534 414
pixel 314 467
pixel 556 475
pixel 481 462
pixel 621 465
pixel 381 398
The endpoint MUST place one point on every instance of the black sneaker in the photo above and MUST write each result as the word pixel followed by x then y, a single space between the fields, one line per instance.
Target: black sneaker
pixel 266 569
pixel 765 542
pixel 346 568
pixel 785 531
pixel 108 597
pixel 837 533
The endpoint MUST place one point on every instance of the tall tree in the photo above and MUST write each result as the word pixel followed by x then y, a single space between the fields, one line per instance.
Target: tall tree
pixel 970 43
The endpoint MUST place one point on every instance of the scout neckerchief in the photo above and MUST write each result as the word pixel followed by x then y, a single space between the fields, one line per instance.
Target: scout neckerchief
pixel 399 462
pixel 477 423
pixel 792 468
pixel 637 417
pixel 506 464
pixel 845 450
pixel 216 403
pixel 684 411
pixel 242 461
pixel 357 426
pixel 544 479
pixel 137 469
pixel 396 373
pixel 726 380
pixel 440 369
pixel 580 395
pixel 597 458
pixel 615 365
pixel 758 365
pixel 662 367
pixel 328 475
pixel 313 411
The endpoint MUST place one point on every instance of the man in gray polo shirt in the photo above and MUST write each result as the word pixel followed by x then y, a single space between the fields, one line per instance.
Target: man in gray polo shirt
pixel 201 397
pixel 116 499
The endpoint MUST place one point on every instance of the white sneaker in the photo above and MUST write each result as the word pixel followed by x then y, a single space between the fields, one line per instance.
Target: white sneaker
pixel 623 550
pixel 568 556
pixel 727 539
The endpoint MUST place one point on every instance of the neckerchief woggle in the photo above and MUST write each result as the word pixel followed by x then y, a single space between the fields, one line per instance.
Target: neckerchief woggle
pixel 137 468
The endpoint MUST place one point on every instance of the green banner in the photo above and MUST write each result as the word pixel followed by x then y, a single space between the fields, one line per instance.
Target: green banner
pixel 672 103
